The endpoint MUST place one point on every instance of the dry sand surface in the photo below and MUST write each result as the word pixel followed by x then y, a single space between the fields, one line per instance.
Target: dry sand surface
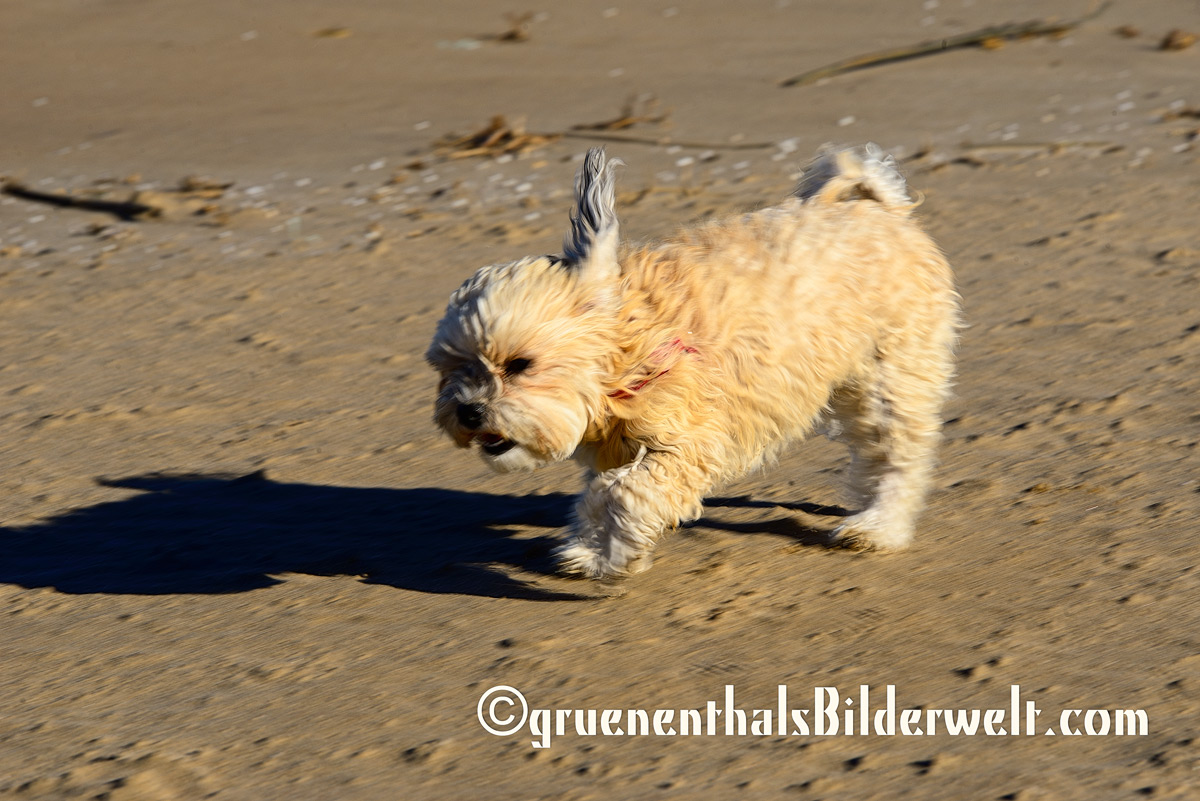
pixel 239 562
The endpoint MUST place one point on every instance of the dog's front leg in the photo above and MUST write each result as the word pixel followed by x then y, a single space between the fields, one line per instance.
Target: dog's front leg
pixel 626 509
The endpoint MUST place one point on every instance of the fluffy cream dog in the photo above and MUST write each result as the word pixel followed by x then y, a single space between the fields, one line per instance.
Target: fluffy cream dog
pixel 670 368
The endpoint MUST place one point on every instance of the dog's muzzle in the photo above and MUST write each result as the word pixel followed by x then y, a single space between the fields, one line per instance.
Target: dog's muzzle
pixel 470 415
pixel 494 444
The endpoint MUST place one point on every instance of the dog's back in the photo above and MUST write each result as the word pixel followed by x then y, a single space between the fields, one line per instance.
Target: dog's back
pixel 844 243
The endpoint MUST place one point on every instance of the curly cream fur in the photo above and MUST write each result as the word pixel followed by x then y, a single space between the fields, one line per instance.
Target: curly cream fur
pixel 671 368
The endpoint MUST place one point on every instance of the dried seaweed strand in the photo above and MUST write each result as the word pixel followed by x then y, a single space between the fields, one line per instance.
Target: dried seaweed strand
pixel 665 141
pixel 127 210
pixel 980 38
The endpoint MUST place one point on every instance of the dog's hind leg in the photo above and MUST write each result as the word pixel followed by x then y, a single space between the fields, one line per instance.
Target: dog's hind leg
pixel 892 422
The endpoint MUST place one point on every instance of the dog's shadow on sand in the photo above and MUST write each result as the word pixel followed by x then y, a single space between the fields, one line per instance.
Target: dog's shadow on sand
pixel 228 534
pixel 786 526
pixel 225 534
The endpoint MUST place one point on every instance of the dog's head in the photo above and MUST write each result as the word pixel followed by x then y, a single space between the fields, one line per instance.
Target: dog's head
pixel 525 348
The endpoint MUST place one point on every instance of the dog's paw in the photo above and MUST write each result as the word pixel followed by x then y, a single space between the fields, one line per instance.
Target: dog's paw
pixel 638 564
pixel 575 559
pixel 863 532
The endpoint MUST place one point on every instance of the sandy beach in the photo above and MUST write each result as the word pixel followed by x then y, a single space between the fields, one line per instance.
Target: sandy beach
pixel 238 561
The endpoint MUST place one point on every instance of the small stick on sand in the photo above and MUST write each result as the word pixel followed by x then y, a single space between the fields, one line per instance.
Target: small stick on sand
pixel 127 210
pixel 665 141
pixel 1053 147
pixel 984 37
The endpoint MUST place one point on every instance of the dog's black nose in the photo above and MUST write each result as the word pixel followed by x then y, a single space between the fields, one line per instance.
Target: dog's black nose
pixel 470 415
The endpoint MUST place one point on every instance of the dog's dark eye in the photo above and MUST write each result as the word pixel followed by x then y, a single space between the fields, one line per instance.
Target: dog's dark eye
pixel 517 366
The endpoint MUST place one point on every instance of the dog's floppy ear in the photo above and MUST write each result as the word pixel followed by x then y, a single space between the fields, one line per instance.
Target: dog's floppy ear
pixel 591 244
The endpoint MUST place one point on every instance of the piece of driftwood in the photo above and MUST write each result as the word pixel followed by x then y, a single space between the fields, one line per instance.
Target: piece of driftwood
pixel 127 210
pixel 496 138
pixel 636 111
pixel 1053 147
pixel 500 137
pixel 989 37
pixel 664 141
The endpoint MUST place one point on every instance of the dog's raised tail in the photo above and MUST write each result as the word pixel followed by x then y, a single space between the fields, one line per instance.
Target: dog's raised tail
pixel 865 173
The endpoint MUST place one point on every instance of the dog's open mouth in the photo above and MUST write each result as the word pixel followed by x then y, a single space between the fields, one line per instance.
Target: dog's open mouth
pixel 494 444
